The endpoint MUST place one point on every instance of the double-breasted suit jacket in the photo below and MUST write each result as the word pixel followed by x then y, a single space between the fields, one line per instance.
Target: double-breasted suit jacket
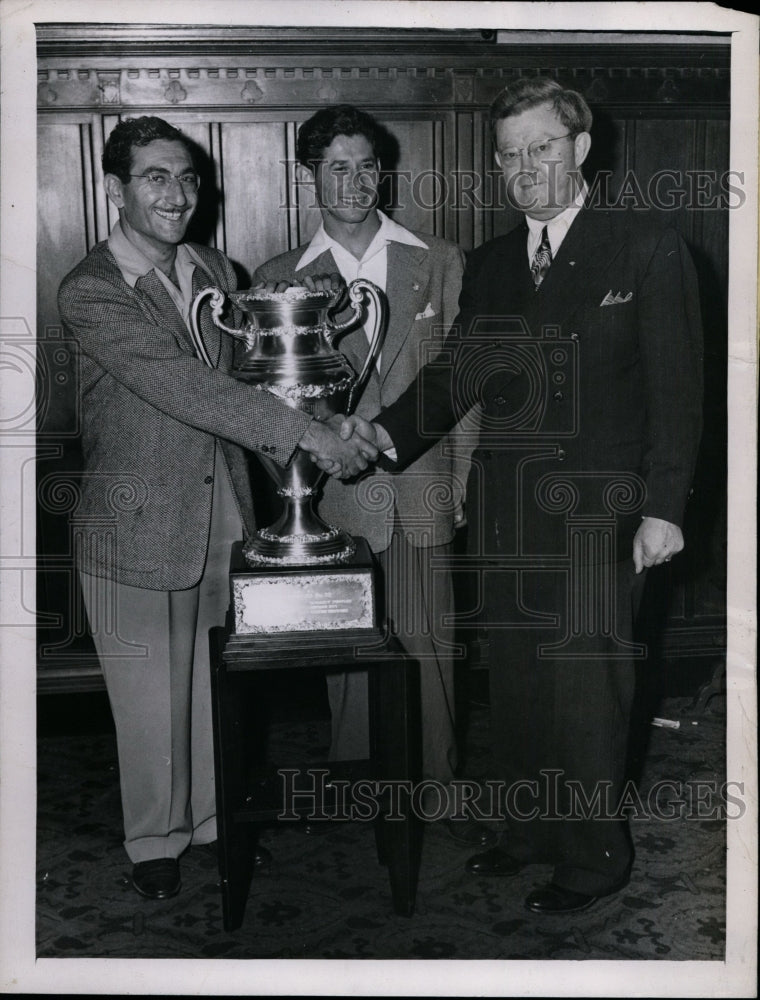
pixel 422 289
pixel 591 395
pixel 593 379
pixel 151 414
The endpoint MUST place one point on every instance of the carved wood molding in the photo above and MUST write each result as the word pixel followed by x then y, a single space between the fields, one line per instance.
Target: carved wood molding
pixel 91 65
pixel 132 85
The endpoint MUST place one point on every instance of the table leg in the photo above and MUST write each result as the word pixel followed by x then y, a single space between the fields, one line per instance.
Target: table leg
pixel 396 753
pixel 236 841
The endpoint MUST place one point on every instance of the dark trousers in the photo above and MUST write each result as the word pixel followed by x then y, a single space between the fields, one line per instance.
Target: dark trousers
pixel 560 724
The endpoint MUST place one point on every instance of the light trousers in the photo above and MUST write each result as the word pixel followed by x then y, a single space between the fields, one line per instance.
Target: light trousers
pixel 154 652
pixel 419 595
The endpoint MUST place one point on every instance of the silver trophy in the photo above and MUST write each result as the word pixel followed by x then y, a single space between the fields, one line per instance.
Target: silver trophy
pixel 289 352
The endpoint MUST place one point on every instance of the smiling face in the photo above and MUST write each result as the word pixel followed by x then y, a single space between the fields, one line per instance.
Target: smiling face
pixel 155 221
pixel 346 180
pixel 544 181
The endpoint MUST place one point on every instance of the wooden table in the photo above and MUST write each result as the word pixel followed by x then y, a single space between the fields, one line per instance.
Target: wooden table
pixel 246 799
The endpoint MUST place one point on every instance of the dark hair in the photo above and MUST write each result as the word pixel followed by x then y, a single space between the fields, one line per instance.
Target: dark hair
pixel 530 92
pixel 117 155
pixel 317 132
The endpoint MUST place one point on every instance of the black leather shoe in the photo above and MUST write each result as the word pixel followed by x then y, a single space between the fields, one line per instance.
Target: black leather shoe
pixel 157 879
pixel 554 899
pixel 493 862
pixel 467 830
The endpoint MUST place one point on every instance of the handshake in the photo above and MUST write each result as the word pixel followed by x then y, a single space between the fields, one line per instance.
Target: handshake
pixel 344 446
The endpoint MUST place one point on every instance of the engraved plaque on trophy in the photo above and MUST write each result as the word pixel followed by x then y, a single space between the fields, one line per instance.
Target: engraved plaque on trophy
pixel 299 574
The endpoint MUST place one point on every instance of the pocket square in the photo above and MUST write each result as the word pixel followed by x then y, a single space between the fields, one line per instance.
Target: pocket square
pixel 615 300
pixel 429 311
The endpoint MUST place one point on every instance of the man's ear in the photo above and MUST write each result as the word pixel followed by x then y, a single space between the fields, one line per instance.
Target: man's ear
pixel 304 175
pixel 582 146
pixel 113 187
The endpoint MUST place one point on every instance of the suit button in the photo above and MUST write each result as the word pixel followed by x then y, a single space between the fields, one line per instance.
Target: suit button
pixel 561 455
pixel 208 480
pixel 559 395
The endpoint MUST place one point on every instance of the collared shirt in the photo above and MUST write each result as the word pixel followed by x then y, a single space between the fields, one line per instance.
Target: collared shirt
pixel 373 264
pixel 133 265
pixel 557 227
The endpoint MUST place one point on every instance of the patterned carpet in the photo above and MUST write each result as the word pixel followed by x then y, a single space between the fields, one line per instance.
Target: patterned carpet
pixel 327 897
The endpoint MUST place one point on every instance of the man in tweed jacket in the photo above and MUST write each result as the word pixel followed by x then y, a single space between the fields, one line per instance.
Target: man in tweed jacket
pixel 408 519
pixel 165 489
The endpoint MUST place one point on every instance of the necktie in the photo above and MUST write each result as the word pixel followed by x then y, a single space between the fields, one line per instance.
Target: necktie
pixel 542 258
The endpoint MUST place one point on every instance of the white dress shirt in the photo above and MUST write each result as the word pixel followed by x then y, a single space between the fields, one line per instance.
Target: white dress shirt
pixel 373 264
pixel 557 227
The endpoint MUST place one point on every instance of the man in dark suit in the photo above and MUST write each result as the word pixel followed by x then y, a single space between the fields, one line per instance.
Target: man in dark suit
pixel 579 336
pixel 409 519
pixel 165 489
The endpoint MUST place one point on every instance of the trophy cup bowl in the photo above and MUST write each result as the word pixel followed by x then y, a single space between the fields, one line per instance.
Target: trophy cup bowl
pixel 288 351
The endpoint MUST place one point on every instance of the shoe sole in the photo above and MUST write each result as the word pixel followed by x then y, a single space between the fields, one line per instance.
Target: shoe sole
pixel 157 895
pixel 558 913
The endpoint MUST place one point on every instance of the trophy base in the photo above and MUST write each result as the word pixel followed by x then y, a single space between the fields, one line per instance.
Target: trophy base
pixel 279 598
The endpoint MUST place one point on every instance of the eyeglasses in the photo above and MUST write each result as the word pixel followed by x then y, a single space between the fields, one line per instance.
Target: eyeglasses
pixel 160 180
pixel 536 150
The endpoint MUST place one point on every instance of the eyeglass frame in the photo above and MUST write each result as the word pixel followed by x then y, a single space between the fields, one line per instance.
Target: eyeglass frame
pixel 167 177
pixel 526 149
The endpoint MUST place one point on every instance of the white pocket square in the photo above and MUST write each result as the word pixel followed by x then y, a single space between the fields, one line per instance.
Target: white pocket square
pixel 429 311
pixel 615 300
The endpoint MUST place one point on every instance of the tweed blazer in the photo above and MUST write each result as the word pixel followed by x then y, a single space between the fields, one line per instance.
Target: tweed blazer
pixel 591 380
pixel 422 288
pixel 151 415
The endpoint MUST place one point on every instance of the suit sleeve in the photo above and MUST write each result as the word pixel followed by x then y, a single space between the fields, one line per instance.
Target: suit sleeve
pixel 670 343
pixel 432 404
pixel 110 326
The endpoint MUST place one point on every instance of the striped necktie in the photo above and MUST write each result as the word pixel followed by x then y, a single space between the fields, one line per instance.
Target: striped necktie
pixel 542 259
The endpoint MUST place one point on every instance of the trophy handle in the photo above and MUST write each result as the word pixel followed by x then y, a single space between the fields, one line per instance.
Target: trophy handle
pixel 217 304
pixel 358 291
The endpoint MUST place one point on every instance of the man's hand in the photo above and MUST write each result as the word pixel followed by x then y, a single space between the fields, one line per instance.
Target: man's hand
pixel 375 433
pixel 323 282
pixel 655 542
pixel 339 456
pixel 315 283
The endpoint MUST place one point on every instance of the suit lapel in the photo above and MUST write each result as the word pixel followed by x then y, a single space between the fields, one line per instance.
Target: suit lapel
pixel 509 289
pixel 586 253
pixel 151 289
pixel 406 284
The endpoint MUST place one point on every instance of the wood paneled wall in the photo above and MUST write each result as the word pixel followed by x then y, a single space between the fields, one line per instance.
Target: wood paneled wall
pixel 240 94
